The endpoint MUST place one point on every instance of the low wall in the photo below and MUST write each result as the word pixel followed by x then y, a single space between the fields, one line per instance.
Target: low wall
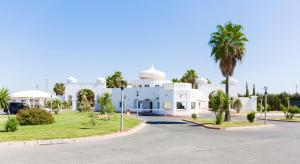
pixel 249 103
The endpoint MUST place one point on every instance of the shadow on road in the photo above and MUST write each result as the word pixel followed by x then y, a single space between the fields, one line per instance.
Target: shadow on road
pixel 165 122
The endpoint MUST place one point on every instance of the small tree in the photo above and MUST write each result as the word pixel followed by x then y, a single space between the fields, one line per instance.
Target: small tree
pixel 59 89
pixel 238 105
pixel 247 90
pixel 84 105
pixel 289 112
pixel 190 77
pixel 219 103
pixel 4 99
pixel 106 105
pixel 114 81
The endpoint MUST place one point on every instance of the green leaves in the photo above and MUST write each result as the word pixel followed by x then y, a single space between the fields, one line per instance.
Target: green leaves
pixel 106 105
pixel 4 98
pixel 116 80
pixel 228 46
pixel 59 89
pixel 219 103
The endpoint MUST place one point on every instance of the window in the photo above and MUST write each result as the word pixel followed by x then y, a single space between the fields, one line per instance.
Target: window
pixel 193 105
pixel 147 86
pixel 156 85
pixel 181 105
pixel 199 104
pixel 140 86
pixel 120 104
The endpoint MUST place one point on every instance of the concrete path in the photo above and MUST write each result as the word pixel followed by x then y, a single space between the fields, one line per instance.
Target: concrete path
pixel 169 140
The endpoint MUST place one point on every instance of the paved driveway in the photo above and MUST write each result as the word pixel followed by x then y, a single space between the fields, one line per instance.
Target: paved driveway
pixel 168 140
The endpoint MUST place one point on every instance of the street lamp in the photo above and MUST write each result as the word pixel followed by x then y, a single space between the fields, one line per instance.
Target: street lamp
pixel 266 101
pixel 137 103
pixel 122 85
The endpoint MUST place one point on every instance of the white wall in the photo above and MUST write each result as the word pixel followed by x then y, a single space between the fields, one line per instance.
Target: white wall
pixel 249 104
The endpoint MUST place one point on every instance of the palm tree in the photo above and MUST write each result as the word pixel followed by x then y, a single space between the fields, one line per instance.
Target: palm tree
pixel 190 77
pixel 116 80
pixel 4 99
pixel 59 89
pixel 228 47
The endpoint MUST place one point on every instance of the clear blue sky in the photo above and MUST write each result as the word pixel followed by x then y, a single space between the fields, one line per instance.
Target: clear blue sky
pixel 87 39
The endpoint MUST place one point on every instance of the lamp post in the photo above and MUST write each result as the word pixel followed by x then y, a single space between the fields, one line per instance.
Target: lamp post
pixel 122 85
pixel 137 103
pixel 266 102
pixel 261 106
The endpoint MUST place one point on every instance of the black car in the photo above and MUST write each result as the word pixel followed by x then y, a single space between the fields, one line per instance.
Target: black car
pixel 15 107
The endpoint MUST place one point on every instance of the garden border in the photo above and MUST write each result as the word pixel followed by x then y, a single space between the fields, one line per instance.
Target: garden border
pixel 131 131
pixel 229 128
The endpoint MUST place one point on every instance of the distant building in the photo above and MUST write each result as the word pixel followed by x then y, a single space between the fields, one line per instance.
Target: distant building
pixel 154 94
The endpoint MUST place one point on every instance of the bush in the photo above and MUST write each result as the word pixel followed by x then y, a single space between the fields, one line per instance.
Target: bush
pixel 289 112
pixel 219 119
pixel 238 105
pixel 34 117
pixel 194 116
pixel 251 116
pixel 11 124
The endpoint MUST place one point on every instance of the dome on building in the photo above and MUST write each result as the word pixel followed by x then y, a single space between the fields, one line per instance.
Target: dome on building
pixel 71 80
pixel 203 81
pixel 100 80
pixel 152 74
pixel 33 94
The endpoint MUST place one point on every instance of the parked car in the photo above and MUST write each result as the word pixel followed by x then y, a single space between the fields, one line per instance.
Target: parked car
pixel 15 107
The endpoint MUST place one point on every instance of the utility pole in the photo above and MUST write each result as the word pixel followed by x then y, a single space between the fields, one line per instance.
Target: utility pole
pixel 266 102
pixel 122 109
pixel 137 103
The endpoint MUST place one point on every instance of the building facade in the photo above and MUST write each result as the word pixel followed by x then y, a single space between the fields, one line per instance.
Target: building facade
pixel 152 93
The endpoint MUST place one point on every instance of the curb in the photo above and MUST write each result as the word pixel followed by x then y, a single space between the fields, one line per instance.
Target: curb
pixel 231 128
pixel 73 140
pixel 280 120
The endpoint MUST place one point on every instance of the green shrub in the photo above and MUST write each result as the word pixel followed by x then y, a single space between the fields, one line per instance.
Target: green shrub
pixel 289 112
pixel 11 124
pixel 34 117
pixel 194 116
pixel 237 105
pixel 219 119
pixel 251 116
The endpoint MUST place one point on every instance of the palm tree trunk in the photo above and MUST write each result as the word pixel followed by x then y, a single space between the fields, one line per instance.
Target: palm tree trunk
pixel 227 112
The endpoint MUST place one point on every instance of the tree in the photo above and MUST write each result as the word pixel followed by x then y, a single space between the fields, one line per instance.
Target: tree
pixel 86 94
pixel 190 77
pixel 106 105
pixel 253 92
pixel 59 89
pixel 4 99
pixel 175 80
pixel 84 105
pixel 289 112
pixel 247 90
pixel 238 105
pixel 228 47
pixel 219 103
pixel 116 80
pixel 223 82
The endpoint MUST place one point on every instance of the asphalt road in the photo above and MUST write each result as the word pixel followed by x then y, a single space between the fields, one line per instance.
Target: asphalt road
pixel 170 141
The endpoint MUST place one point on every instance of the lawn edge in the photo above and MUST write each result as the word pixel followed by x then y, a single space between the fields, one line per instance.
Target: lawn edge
pixel 131 131
pixel 229 128
pixel 272 119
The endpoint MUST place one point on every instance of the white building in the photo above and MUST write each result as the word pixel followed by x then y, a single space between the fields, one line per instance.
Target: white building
pixel 33 98
pixel 154 94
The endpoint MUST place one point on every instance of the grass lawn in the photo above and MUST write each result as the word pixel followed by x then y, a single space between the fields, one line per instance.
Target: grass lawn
pixel 67 125
pixel 212 123
pixel 295 119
